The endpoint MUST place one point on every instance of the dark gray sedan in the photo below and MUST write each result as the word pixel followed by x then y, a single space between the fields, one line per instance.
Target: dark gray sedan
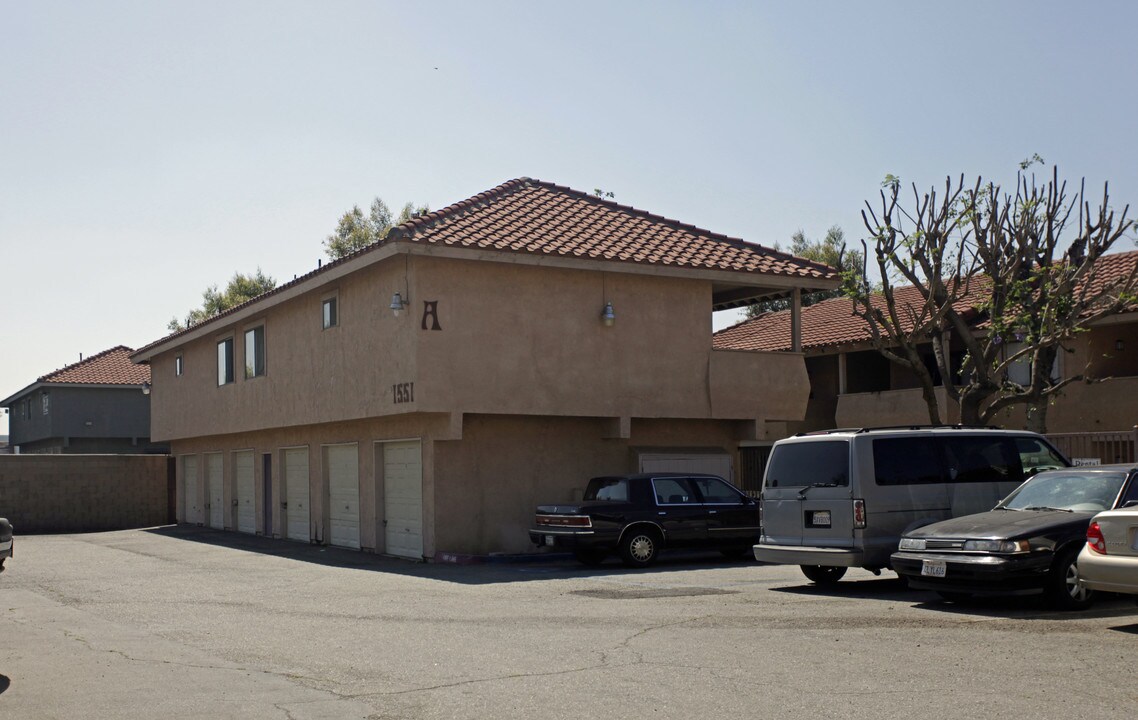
pixel 1030 542
pixel 6 541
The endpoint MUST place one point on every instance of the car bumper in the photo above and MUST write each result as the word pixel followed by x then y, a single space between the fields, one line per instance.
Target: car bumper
pixel 975 573
pixel 807 555
pixel 569 539
pixel 1111 574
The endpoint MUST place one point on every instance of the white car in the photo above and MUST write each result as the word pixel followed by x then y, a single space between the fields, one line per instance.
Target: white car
pixel 1109 560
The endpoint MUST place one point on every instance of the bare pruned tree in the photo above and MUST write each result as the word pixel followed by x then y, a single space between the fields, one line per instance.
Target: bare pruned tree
pixel 1005 278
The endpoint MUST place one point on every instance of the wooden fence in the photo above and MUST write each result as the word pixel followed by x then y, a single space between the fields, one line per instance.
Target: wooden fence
pixel 1107 447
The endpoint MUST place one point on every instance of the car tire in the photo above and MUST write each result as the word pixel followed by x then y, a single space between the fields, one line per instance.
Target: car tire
pixel 823 575
pixel 1062 587
pixel 590 556
pixel 954 597
pixel 639 547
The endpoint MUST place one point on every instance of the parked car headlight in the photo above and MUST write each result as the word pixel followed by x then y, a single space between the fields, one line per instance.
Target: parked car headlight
pixel 996 546
pixel 912 543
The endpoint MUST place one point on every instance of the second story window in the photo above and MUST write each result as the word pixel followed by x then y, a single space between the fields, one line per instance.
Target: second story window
pixel 255 352
pixel 178 366
pixel 46 403
pixel 225 362
pixel 331 319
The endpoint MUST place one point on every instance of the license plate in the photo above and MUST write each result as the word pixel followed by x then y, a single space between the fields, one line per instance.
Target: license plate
pixel 932 568
pixel 820 518
pixel 549 540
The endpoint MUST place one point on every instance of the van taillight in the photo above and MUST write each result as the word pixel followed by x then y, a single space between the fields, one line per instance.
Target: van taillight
pixel 1095 539
pixel 859 515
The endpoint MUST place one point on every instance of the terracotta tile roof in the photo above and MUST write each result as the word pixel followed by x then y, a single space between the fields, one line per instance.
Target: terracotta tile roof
pixel 110 367
pixel 535 217
pixel 832 323
pixel 531 216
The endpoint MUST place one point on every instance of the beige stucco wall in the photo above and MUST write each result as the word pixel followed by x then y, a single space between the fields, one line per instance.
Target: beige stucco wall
pixel 512 339
pixel 480 485
pixel 488 484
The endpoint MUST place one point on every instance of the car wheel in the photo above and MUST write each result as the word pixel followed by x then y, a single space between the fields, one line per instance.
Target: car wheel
pixel 591 556
pixel 954 597
pixel 823 575
pixel 639 547
pixel 1063 589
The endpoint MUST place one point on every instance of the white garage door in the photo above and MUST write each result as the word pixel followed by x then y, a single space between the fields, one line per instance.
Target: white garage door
pixel 191 503
pixel 296 494
pixel 403 498
pixel 709 463
pixel 343 495
pixel 214 478
pixel 243 482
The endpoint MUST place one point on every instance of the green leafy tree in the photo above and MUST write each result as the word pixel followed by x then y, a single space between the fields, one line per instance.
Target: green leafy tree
pixel 241 288
pixel 356 231
pixel 830 250
pixel 1025 262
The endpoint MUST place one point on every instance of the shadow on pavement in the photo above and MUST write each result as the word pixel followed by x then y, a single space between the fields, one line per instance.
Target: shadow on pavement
pixel 481 572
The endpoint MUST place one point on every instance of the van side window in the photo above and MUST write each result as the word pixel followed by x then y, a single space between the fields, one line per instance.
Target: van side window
pixel 1036 456
pixel 808 463
pixel 907 461
pixel 979 458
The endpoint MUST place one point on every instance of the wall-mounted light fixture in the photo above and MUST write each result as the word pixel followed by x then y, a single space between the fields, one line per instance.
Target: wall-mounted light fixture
pixel 1118 345
pixel 397 304
pixel 608 317
pixel 146 388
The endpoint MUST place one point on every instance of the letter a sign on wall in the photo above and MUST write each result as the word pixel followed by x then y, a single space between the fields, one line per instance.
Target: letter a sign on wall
pixel 431 315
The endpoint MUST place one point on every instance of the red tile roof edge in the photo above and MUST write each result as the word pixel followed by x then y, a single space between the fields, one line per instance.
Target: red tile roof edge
pixel 405 231
pixel 91 364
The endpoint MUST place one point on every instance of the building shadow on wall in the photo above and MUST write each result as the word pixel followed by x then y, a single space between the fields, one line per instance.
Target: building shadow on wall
pixel 471 571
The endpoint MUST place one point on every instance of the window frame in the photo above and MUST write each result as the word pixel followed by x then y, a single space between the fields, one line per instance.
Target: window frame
pixel 226 366
pixel 329 320
pixel 257 367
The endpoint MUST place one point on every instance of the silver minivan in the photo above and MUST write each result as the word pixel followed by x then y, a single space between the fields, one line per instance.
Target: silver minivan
pixel 838 499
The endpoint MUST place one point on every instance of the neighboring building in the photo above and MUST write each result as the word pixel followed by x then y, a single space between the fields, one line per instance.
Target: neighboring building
pixel 853 385
pixel 419 397
pixel 97 405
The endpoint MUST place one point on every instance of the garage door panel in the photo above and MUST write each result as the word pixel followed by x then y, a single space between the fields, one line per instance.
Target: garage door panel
pixel 297 488
pixel 244 487
pixel 344 495
pixel 191 504
pixel 214 482
pixel 403 498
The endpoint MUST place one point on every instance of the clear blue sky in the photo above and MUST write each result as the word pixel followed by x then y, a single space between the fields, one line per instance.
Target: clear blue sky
pixel 150 149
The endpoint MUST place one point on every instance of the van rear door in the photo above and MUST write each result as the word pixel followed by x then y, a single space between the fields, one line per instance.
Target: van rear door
pixel 806 494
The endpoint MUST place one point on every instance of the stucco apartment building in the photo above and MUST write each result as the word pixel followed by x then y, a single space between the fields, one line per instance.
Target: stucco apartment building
pixel 419 397
pixel 96 405
pixel 853 385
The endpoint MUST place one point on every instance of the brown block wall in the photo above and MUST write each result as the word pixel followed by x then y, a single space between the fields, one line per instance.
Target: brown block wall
pixel 85 493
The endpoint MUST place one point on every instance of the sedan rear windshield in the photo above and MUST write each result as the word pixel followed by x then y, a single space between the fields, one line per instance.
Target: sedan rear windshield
pixel 607 488
pixel 798 464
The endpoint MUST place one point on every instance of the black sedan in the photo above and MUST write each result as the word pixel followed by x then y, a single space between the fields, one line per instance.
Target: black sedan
pixel 6 541
pixel 1029 543
pixel 638 515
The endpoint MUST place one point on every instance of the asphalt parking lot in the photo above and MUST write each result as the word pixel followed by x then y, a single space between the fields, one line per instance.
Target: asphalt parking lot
pixel 180 622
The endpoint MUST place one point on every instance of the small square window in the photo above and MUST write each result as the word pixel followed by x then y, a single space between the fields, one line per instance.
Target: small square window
pixel 255 352
pixel 178 366
pixel 225 362
pixel 331 317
